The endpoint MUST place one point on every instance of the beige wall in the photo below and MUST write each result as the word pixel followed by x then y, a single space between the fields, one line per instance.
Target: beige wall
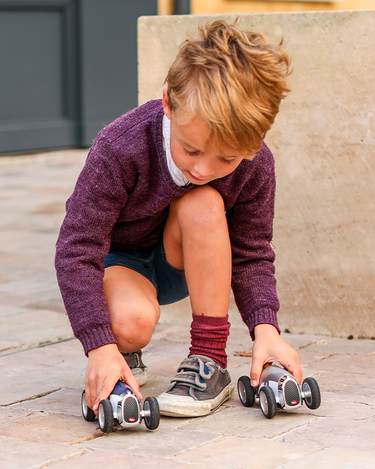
pixel 324 145
pixel 206 7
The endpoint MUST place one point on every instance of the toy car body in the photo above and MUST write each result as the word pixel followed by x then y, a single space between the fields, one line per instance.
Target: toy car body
pixel 124 406
pixel 278 388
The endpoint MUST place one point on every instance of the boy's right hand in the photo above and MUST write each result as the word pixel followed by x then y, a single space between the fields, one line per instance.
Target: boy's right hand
pixel 106 366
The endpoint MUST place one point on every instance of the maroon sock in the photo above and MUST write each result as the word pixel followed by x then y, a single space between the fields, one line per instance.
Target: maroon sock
pixel 209 337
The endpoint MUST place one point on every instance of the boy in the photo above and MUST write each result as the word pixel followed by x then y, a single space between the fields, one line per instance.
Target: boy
pixel 176 199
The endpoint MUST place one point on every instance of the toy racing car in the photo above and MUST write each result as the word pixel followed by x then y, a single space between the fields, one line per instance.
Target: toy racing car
pixel 124 406
pixel 278 388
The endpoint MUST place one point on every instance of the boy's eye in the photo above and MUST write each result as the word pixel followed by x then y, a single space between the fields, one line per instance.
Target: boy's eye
pixel 191 153
pixel 225 160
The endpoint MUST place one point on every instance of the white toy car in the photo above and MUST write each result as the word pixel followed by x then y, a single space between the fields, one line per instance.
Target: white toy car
pixel 278 388
pixel 124 406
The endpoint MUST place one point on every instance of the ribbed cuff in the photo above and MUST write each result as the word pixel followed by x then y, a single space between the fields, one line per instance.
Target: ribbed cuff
pixel 262 316
pixel 215 321
pixel 96 337
pixel 209 337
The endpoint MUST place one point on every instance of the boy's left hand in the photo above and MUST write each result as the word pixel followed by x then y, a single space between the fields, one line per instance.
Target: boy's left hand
pixel 269 346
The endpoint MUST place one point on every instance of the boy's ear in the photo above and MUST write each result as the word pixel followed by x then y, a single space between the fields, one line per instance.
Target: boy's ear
pixel 166 108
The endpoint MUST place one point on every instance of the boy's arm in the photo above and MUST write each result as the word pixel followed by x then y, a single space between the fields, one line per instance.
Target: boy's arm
pixel 253 281
pixel 269 346
pixel 250 223
pixel 84 241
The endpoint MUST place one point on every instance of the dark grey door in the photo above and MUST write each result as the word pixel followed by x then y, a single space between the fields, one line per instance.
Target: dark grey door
pixel 67 68
pixel 37 76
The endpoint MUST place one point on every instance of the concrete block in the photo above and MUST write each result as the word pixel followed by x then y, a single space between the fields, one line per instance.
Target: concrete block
pixel 323 144
pixel 180 313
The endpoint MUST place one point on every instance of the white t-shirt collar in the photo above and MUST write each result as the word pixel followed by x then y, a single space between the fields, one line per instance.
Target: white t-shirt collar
pixel 176 174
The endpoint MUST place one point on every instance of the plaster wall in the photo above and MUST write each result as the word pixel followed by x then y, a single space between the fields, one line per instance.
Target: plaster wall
pixel 323 141
pixel 209 7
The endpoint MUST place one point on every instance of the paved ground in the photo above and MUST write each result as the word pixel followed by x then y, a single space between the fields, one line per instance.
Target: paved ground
pixel 42 367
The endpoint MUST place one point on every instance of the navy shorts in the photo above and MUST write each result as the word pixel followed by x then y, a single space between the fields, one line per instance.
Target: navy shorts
pixel 169 282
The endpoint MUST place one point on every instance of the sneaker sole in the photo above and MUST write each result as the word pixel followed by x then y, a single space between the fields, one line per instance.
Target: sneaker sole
pixel 140 375
pixel 181 406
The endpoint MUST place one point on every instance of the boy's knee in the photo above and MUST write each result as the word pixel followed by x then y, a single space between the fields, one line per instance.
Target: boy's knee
pixel 135 331
pixel 202 206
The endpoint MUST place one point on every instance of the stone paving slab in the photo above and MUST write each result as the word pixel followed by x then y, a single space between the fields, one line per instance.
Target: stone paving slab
pixel 29 327
pixel 43 366
pixel 66 401
pixel 343 406
pixel 345 346
pixel 35 372
pixel 242 453
pixel 33 192
pixel 10 415
pixel 335 432
pixel 7 345
pixel 235 419
pixel 17 453
pixel 159 443
pixel 54 428
pixel 99 459
pixel 333 458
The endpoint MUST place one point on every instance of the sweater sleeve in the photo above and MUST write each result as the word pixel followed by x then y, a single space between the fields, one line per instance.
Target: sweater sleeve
pixel 250 223
pixel 84 241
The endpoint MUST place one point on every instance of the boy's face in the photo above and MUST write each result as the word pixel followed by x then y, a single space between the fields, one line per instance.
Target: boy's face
pixel 199 160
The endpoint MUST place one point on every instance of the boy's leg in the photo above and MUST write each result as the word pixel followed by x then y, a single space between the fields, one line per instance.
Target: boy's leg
pixel 196 239
pixel 134 312
pixel 132 305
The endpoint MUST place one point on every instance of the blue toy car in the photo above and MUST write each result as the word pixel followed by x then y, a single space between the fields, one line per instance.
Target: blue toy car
pixel 124 406
pixel 278 388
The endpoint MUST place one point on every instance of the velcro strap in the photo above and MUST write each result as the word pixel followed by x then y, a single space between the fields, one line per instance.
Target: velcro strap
pixel 191 380
pixel 193 372
pixel 133 360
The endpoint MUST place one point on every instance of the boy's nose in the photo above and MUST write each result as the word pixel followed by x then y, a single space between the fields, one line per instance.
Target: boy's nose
pixel 204 169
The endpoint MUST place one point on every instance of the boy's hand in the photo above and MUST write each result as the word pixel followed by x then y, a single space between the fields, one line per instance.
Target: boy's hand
pixel 106 366
pixel 269 346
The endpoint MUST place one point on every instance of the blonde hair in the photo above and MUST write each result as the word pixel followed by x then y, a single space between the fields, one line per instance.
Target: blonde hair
pixel 234 80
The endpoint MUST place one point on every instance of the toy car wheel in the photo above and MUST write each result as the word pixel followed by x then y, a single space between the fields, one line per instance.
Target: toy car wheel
pixel 151 406
pixel 267 402
pixel 311 392
pixel 105 416
pixel 88 414
pixel 245 391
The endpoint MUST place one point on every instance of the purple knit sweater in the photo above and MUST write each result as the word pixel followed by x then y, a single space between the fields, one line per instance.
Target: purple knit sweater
pixel 121 200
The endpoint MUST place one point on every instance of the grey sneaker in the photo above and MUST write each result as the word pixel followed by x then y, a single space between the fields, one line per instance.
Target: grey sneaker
pixel 139 370
pixel 199 388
